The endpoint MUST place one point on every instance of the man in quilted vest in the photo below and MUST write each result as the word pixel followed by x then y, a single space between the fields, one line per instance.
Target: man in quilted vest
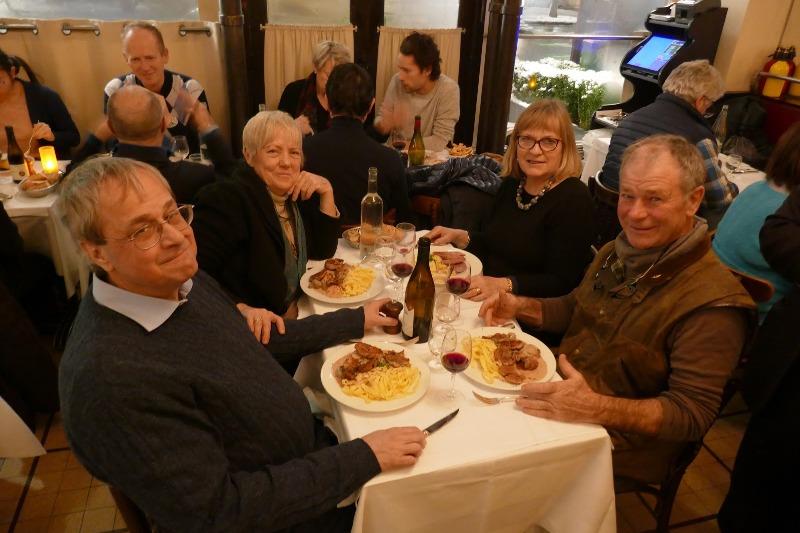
pixel 655 328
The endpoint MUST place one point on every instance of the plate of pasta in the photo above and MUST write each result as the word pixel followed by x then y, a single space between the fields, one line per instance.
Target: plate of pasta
pixel 375 377
pixel 506 359
pixel 338 282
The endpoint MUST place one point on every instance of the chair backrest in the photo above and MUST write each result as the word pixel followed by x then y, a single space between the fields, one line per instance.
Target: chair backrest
pixel 135 519
pixel 759 289
pixel 428 207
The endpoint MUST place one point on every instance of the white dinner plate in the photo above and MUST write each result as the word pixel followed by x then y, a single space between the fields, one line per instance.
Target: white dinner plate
pixel 374 289
pixel 333 388
pixel 474 373
pixel 475 264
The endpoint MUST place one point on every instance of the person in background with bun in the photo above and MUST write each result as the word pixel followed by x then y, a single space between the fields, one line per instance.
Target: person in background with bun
pixel 35 111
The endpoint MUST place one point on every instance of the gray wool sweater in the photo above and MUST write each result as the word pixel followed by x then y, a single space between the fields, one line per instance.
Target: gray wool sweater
pixel 199 425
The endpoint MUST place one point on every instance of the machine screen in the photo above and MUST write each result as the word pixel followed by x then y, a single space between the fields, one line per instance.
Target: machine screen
pixel 655 53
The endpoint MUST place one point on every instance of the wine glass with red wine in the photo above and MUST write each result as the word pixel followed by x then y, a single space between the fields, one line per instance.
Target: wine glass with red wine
pixel 456 355
pixel 459 279
pixel 401 266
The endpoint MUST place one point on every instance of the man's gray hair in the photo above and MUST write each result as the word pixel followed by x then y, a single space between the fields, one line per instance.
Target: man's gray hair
pixel 79 202
pixel 684 153
pixel 135 114
pixel 265 126
pixel 327 50
pixel 693 79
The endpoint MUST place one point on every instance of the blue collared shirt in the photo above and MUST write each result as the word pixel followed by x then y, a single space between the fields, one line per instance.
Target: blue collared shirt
pixel 147 311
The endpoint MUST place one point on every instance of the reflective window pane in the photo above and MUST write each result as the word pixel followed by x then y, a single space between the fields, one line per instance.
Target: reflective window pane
pixel 105 10
pixel 317 12
pixel 421 13
pixel 543 66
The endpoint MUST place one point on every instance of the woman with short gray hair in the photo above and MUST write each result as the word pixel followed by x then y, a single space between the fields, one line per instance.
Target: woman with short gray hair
pixel 256 231
pixel 305 99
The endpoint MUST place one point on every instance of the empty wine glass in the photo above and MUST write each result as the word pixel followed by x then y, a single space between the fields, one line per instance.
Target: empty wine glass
pixel 435 344
pixel 456 355
pixel 446 306
pixel 180 147
pixel 405 236
pixel 734 162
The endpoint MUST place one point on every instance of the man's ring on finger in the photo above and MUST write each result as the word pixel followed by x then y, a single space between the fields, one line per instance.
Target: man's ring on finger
pixel 258 319
pixel 477 290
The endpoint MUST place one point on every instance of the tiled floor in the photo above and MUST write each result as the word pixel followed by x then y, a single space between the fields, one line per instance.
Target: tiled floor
pixel 53 493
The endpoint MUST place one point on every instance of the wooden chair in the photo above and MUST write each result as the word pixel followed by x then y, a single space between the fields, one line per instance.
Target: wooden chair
pixel 427 206
pixel 135 519
pixel 760 290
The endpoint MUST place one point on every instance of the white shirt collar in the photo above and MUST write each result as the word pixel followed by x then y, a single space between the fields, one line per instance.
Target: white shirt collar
pixel 147 311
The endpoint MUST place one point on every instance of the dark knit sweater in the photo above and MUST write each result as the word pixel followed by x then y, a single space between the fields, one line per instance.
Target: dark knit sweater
pixel 544 249
pixel 198 424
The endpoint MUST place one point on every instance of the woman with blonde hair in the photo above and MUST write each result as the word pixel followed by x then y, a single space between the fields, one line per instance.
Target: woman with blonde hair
pixel 305 99
pixel 537 239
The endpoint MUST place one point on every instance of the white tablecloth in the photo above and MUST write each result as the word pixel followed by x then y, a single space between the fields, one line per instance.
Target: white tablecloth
pixel 44 233
pixel 493 468
pixel 17 440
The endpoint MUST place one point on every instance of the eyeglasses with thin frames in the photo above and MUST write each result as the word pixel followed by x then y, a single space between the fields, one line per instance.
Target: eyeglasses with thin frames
pixel 546 144
pixel 150 234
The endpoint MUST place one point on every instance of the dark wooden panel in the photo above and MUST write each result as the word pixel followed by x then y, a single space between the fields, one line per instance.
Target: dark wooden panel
pixel 366 15
pixel 472 18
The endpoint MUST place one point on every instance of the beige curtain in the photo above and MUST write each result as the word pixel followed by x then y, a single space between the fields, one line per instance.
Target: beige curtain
pixel 448 41
pixel 288 50
pixel 79 65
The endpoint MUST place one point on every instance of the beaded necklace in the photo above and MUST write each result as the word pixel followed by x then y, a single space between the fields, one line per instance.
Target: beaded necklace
pixel 536 197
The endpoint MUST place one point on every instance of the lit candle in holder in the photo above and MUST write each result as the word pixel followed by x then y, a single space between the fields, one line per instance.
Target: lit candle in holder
pixel 47 154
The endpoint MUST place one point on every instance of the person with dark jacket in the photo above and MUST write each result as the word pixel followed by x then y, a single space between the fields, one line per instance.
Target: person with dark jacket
pixel 35 112
pixel 137 120
pixel 305 99
pixel 536 241
pixel 689 91
pixel 167 394
pixel 344 152
pixel 256 232
pixel 767 461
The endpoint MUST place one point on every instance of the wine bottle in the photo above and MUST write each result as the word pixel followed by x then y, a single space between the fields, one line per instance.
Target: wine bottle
pixel 420 291
pixel 416 148
pixel 371 215
pixel 721 128
pixel 16 158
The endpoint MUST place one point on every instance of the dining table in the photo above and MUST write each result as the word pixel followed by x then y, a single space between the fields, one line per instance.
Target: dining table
pixel 43 232
pixel 493 468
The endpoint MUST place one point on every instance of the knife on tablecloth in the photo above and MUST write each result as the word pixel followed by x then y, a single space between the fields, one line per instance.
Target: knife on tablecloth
pixel 439 423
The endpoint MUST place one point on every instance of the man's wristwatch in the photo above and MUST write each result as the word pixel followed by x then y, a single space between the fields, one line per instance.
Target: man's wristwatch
pixel 509 285
pixel 466 244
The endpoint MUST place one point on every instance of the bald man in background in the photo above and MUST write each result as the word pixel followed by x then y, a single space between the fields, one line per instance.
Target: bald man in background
pixel 137 119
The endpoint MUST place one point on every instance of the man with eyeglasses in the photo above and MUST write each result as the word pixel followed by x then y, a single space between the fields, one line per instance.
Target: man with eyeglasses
pixel 689 92
pixel 168 396
pixel 655 328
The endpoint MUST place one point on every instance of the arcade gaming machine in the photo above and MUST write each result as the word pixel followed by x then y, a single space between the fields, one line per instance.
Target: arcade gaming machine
pixel 684 31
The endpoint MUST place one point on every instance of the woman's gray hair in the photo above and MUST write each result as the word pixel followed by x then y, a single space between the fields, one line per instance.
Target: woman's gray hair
pixel 81 192
pixel 685 154
pixel 694 79
pixel 327 50
pixel 263 128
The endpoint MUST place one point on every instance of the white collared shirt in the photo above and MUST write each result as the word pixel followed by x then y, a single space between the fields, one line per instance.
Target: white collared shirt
pixel 147 311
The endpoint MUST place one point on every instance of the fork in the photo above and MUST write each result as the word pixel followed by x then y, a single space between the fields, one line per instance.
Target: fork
pixel 494 401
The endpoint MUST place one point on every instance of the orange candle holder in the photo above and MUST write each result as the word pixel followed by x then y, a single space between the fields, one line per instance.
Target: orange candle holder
pixel 47 156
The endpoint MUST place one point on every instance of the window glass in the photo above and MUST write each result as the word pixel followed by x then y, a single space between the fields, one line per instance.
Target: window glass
pixel 105 10
pixel 421 13
pixel 308 12
pixel 591 67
